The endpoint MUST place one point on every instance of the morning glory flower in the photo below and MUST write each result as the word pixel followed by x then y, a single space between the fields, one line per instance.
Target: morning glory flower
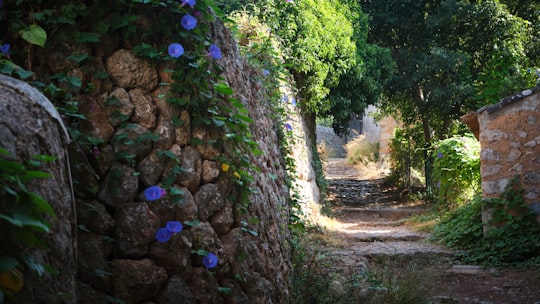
pixel 188 22
pixel 266 72
pixel 188 2
pixel 293 101
pixel 439 155
pixel 5 49
pixel 153 193
pixel 174 226
pixel 210 261
pixel 163 235
pixel 214 52
pixel 288 126
pixel 176 50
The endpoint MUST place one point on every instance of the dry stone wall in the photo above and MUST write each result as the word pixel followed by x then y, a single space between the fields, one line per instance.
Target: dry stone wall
pixel 510 141
pixel 118 255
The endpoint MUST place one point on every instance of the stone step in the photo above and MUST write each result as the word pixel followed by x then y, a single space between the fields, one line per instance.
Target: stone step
pixel 378 214
pixel 400 248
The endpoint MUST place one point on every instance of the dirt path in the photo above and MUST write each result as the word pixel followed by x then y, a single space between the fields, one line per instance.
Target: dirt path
pixel 368 218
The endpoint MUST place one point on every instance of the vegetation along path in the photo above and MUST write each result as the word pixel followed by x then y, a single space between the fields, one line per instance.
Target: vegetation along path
pixel 394 263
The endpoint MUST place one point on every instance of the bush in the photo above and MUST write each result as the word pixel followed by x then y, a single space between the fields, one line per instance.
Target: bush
pixel 513 235
pixel 456 169
pixel 406 163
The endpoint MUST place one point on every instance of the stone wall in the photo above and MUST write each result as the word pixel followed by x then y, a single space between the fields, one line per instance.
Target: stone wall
pixel 510 142
pixel 118 255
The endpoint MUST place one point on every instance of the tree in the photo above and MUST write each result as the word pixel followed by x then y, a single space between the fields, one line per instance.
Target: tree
pixel 318 40
pixel 363 83
pixel 445 53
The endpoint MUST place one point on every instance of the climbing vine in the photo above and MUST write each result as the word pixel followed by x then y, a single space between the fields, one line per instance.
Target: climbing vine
pixel 179 37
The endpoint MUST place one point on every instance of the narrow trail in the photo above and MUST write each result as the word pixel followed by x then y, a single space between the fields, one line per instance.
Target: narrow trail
pixel 370 214
pixel 368 217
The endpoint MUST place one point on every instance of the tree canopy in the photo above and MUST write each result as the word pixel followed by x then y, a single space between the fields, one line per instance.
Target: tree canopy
pixel 450 56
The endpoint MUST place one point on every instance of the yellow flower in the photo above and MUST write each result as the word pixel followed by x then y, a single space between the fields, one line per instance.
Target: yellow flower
pixel 225 167
pixel 11 280
pixel 236 174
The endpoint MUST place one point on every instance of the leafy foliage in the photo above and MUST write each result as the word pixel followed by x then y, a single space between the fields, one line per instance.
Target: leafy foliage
pixel 318 45
pixel 456 169
pixel 511 235
pixel 24 217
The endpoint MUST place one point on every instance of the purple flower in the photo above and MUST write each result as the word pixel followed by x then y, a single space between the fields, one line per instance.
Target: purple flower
pixel 163 235
pixel 5 49
pixel 293 101
pixel 188 2
pixel 174 226
pixel 266 72
pixel 176 50
pixel 188 22
pixel 285 97
pixel 439 184
pixel 214 52
pixel 95 150
pixel 288 126
pixel 153 193
pixel 210 261
pixel 439 155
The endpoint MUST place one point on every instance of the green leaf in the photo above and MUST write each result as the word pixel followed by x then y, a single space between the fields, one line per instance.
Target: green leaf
pixel 7 263
pixel 223 89
pixel 176 191
pixel 77 57
pixel 35 35
pixel 41 204
pixel 192 223
pixel 217 122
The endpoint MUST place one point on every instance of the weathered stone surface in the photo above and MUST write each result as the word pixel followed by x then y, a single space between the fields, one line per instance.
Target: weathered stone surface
pixel 87 295
pixel 145 110
pixel 151 168
pixel 30 125
pixel 118 106
pixel 102 158
pixel 175 254
pixel 210 171
pixel 510 143
pixel 166 133
pixel 223 220
pixel 136 227
pixel 94 216
pixel 209 201
pixel 134 281
pixel 183 132
pixel 84 178
pixel 176 291
pixel 187 209
pixel 94 250
pixel 205 238
pixel 132 143
pixel 206 288
pixel 191 162
pixel 126 70
pixel 120 185
pixel 96 122
pixel 207 135
pixel 172 162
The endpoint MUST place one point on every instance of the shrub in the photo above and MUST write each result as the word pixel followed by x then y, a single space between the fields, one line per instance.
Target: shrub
pixel 456 169
pixel 513 235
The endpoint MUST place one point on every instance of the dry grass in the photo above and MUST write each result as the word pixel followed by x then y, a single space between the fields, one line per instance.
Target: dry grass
pixel 361 151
